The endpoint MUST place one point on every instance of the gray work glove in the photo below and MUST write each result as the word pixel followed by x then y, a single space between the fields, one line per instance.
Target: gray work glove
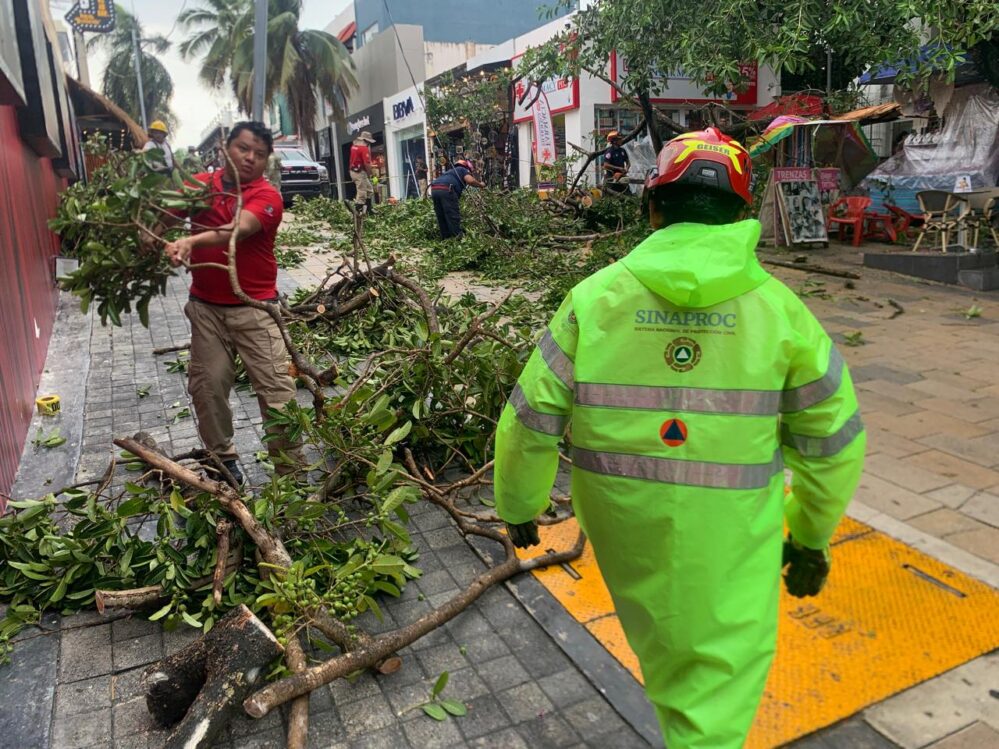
pixel 523 535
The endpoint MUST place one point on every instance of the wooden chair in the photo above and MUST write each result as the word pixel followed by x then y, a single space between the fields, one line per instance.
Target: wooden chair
pixel 849 212
pixel 904 221
pixel 943 213
pixel 984 207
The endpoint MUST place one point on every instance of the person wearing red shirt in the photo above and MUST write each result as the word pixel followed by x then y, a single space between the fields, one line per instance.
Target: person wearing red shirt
pixel 360 169
pixel 222 325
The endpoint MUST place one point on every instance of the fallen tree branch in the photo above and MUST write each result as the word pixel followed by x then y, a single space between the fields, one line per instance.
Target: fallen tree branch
pixel 266 699
pixel 809 268
pixel 172 349
pixel 298 716
pixel 221 552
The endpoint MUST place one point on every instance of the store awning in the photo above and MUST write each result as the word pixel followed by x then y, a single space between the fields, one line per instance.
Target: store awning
pixel 348 31
pixel 797 105
pixel 99 112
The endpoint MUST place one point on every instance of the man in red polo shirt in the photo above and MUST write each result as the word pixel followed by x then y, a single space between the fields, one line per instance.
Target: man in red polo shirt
pixel 360 170
pixel 222 325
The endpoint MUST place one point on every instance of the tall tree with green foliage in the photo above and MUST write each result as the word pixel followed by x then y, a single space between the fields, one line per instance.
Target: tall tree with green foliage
pixel 710 39
pixel 304 66
pixel 215 29
pixel 119 83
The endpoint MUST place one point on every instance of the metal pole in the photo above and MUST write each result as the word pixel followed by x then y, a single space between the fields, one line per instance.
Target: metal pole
pixel 259 59
pixel 828 70
pixel 82 69
pixel 336 162
pixel 138 79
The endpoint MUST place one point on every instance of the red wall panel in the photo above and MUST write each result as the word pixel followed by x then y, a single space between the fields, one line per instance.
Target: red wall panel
pixel 28 197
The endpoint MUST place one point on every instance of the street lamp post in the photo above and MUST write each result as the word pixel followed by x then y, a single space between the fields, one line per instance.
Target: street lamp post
pixel 259 59
pixel 138 78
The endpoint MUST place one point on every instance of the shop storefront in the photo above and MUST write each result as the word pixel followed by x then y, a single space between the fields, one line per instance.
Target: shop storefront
pixel 371 119
pixel 405 142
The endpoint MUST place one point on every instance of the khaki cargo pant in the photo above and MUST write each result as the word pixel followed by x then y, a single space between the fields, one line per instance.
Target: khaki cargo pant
pixel 218 333
pixel 365 190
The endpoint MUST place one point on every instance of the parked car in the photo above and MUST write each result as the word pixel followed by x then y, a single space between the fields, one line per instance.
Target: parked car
pixel 301 174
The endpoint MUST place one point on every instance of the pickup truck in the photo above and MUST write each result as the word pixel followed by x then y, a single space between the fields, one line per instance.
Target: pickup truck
pixel 301 174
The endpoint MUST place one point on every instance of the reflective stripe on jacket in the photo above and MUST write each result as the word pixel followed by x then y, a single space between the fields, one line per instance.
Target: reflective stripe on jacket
pixel 691 377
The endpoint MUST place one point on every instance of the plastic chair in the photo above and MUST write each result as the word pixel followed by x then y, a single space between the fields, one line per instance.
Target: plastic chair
pixel 943 213
pixel 983 207
pixel 850 215
pixel 904 221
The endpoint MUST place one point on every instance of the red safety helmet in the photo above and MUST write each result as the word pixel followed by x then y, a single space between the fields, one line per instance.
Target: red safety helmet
pixel 704 158
pixel 465 163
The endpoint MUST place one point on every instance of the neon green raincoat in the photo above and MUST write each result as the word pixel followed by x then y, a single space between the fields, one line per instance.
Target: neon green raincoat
pixel 691 377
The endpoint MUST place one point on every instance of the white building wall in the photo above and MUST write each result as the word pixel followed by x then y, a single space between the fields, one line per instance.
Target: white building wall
pixel 442 56
pixel 398 128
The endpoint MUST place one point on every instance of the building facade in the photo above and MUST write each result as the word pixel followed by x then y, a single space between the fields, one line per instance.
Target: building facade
pixel 38 153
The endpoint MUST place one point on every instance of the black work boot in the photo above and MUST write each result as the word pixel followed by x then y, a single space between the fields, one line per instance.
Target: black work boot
pixel 232 466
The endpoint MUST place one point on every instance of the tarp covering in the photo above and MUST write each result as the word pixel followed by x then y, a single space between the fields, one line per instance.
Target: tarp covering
pixel 966 146
pixel 887 73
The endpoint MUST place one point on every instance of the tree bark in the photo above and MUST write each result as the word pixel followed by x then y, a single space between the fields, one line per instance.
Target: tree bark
pixel 202 685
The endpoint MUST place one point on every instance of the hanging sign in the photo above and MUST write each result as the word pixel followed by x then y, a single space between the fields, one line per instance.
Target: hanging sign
pixel 545 151
pixel 562 93
pixel 96 16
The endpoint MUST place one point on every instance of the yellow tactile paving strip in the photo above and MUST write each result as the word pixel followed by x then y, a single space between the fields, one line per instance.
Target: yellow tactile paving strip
pixel 890 617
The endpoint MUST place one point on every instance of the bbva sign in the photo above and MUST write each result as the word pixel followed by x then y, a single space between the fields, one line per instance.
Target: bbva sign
pixel 403 108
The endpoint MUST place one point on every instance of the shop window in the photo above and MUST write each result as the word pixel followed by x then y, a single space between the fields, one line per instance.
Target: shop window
pixel 369 33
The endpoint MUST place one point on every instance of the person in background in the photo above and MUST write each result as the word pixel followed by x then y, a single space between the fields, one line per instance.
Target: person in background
pixel 691 377
pixel 445 192
pixel 360 170
pixel 222 324
pixel 158 140
pixel 273 171
pixel 616 164
pixel 421 177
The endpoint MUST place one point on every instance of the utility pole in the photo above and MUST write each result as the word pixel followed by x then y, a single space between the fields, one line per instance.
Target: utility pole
pixel 259 59
pixel 82 69
pixel 138 79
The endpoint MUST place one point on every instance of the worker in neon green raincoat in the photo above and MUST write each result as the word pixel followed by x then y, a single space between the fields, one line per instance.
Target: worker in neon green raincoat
pixel 692 378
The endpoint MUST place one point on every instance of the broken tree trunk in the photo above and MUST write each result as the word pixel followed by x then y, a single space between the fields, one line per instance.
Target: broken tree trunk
pixel 202 685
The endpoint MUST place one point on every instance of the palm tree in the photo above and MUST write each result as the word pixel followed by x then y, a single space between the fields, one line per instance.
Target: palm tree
pixel 215 30
pixel 303 65
pixel 118 81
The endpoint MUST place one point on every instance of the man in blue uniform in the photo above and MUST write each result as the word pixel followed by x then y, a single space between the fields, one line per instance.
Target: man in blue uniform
pixel 445 191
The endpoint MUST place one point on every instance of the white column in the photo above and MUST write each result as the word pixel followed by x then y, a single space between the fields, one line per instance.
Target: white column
pixel 524 151
pixel 393 162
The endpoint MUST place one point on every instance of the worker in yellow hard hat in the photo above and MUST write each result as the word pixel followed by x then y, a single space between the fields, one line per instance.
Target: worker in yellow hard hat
pixel 163 161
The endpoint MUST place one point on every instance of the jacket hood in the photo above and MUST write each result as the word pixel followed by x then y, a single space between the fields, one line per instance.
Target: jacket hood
pixel 699 265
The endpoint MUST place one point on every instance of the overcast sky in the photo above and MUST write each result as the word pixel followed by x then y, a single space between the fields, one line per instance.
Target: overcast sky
pixel 194 104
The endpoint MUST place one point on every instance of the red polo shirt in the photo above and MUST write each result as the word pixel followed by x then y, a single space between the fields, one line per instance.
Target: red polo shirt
pixel 360 157
pixel 256 265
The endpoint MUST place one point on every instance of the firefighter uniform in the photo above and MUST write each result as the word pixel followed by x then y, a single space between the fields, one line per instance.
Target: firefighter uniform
pixel 692 378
